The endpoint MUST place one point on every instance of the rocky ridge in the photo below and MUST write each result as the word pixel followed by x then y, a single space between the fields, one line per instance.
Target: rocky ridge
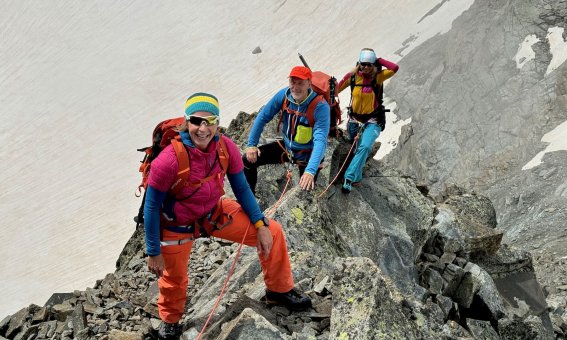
pixel 478 117
pixel 388 261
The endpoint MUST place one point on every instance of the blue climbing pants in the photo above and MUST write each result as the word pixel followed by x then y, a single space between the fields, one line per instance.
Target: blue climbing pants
pixel 370 133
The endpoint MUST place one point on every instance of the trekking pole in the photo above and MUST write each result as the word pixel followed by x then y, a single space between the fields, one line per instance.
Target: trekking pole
pixel 303 60
pixel 332 83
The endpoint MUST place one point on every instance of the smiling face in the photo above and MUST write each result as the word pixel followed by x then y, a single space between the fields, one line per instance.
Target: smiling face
pixel 201 134
pixel 366 68
pixel 299 88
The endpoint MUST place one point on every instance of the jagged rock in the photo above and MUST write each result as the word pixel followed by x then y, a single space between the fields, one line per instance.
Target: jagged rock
pixel 47 329
pixel 448 258
pixel 453 276
pixel 132 248
pixel 62 311
pixel 120 335
pixel 455 331
pixel 16 322
pixel 250 325
pixel 390 213
pixel 432 280
pixel 364 305
pixel 324 307
pixel 58 298
pixel 447 306
pixel 79 319
pixel 239 129
pixel 484 138
pixel 204 300
pixel 528 328
pixel 27 332
pixel 513 274
pixel 92 308
pixel 463 236
pixel 479 294
pixel 4 323
pixel 482 329
pixel 473 207
pixel 40 315
pixel 321 285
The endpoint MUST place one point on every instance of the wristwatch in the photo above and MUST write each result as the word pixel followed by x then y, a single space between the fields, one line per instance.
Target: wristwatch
pixel 262 222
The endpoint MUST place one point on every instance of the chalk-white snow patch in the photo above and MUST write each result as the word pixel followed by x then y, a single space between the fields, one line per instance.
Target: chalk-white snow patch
pixel 557 139
pixel 557 47
pixel 439 22
pixel 525 52
pixel 391 135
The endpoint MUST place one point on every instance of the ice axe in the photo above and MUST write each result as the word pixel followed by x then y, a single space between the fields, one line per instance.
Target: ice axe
pixel 332 81
pixel 303 60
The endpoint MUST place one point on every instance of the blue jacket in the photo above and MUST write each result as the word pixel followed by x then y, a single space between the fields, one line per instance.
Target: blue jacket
pixel 318 143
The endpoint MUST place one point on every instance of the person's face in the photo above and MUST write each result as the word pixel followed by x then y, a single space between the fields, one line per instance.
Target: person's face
pixel 299 88
pixel 202 130
pixel 366 68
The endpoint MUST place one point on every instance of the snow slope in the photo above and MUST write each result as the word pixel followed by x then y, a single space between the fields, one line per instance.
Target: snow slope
pixel 83 83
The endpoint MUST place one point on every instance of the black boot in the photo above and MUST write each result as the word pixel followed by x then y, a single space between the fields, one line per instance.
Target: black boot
pixel 293 299
pixel 169 330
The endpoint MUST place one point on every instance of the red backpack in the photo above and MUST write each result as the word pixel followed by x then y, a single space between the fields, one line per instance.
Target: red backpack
pixel 165 133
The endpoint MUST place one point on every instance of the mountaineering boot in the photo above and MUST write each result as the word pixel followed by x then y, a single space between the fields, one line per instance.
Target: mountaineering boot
pixel 347 186
pixel 293 299
pixel 169 330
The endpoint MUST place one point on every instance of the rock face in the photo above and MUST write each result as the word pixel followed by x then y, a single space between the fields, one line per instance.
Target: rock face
pixel 386 261
pixel 478 116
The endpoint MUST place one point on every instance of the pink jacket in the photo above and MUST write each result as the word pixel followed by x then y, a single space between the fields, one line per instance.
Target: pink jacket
pixel 164 169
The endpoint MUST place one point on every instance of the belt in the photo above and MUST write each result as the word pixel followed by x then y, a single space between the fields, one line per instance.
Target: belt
pixel 183 229
pixel 176 242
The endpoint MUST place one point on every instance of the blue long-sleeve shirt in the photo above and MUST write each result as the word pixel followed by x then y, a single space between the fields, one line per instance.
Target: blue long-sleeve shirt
pixel 318 143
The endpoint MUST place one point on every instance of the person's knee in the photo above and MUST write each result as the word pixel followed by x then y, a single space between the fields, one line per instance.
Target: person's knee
pixel 245 161
pixel 275 228
pixel 364 148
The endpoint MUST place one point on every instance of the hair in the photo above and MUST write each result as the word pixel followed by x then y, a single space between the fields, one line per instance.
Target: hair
pixel 182 127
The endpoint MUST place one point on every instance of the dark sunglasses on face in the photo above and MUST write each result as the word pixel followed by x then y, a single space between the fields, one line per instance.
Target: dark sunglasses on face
pixel 365 64
pixel 209 120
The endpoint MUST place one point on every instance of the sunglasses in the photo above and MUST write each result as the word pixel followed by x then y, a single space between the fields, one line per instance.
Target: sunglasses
pixel 365 64
pixel 210 120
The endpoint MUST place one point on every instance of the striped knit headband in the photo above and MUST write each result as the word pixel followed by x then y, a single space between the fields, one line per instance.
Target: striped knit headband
pixel 202 102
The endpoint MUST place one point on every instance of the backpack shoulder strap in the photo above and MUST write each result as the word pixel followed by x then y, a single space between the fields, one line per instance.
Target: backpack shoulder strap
pixel 285 104
pixel 223 154
pixel 378 90
pixel 311 109
pixel 352 82
pixel 183 169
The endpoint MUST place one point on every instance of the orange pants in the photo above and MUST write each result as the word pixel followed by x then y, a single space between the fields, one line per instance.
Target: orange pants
pixel 173 283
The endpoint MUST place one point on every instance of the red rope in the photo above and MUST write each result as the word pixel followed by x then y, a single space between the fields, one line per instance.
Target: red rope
pixel 342 166
pixel 276 205
pixel 269 214
pixel 225 284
